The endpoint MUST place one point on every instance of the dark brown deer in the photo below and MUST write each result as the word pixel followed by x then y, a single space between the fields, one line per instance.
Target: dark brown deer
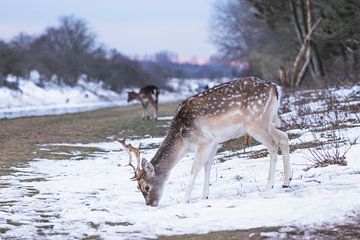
pixel 227 111
pixel 147 95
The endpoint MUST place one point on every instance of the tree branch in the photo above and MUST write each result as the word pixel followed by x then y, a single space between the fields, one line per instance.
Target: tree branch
pixel 302 72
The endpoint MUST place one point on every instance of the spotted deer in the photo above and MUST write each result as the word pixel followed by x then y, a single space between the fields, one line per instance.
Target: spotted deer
pixel 147 95
pixel 227 111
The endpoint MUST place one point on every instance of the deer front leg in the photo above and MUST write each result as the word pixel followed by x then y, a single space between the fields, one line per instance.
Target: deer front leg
pixel 147 110
pixel 207 169
pixel 201 156
pixel 143 110
pixel 145 105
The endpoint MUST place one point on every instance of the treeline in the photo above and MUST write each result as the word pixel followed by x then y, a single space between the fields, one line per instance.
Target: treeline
pixel 64 53
pixel 295 41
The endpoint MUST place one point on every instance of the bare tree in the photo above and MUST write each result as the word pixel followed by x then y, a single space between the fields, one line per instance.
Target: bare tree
pixel 282 33
pixel 241 33
pixel 64 48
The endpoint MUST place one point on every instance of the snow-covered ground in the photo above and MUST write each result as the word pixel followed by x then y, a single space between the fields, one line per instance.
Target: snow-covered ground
pixel 95 197
pixel 52 99
pixel 91 195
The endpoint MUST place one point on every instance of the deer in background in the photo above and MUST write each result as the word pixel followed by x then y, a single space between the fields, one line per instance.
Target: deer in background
pixel 227 111
pixel 147 95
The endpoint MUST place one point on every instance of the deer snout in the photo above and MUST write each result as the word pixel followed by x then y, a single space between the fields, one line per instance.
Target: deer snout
pixel 153 203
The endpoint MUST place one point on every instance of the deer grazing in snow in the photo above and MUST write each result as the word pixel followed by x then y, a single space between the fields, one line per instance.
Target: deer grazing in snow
pixel 227 111
pixel 147 95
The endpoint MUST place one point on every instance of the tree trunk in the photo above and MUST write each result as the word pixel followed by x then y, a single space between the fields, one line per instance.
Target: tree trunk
pixel 308 52
pixel 295 81
pixel 2 80
pixel 316 60
pixel 356 65
pixel 295 16
pixel 283 77
pixel 302 72
pixel 302 18
pixel 316 64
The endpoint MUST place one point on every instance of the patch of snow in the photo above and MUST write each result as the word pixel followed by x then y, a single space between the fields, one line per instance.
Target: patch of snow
pixel 166 118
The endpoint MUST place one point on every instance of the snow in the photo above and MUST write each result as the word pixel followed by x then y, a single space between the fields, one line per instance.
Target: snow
pixel 76 195
pixel 91 195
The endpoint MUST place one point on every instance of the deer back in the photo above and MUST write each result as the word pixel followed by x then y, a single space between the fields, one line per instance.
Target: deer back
pixel 245 101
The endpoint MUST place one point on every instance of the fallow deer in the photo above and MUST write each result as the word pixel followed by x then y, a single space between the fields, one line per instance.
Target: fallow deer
pixel 147 95
pixel 227 111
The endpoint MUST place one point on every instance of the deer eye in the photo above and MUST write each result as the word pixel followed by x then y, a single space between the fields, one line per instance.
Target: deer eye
pixel 147 188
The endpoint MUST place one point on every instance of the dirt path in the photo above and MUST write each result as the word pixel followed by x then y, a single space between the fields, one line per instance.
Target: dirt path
pixel 19 138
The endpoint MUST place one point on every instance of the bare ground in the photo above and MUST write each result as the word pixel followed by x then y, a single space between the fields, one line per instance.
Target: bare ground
pixel 20 138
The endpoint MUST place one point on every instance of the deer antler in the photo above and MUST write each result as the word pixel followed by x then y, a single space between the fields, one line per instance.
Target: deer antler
pixel 130 149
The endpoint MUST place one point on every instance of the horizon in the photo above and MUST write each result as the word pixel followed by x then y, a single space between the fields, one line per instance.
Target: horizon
pixel 137 29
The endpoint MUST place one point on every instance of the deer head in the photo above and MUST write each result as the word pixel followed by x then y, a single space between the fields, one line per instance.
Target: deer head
pixel 132 96
pixel 144 174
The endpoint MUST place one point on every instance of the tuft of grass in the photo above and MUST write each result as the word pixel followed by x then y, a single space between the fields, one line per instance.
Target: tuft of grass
pixel 4 230
pixel 324 156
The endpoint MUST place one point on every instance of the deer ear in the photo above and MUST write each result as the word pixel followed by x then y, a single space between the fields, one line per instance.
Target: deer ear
pixel 148 167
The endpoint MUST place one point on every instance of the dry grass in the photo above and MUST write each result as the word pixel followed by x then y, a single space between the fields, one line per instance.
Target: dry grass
pixel 325 123
pixel 252 234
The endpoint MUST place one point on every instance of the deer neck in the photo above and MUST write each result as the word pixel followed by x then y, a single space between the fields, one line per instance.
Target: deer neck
pixel 170 152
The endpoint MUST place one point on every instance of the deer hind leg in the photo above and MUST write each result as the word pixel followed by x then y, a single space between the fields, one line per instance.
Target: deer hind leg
pixel 284 146
pixel 154 105
pixel 204 152
pixel 263 136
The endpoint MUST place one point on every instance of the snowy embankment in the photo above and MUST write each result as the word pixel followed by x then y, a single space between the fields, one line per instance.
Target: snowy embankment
pixel 52 99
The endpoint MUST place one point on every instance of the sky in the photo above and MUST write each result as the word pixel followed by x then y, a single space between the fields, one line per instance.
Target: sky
pixel 134 27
